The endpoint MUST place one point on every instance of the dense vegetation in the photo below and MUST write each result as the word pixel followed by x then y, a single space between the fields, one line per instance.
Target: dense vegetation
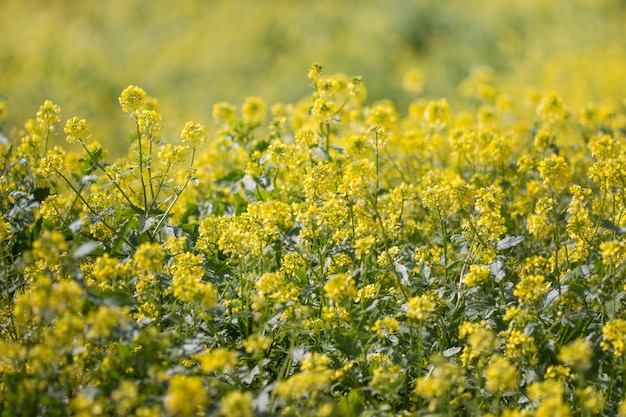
pixel 366 248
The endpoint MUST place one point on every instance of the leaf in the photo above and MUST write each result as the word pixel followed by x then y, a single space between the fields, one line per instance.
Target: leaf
pixel 262 401
pixel 347 344
pixel 351 404
pixel 87 179
pixel 41 194
pixel 242 204
pixel 509 242
pixel 403 272
pixel 85 249
pixel 114 299
pixel 76 225
pixel 497 269
pixel 452 351
pixel 232 176
pixel 264 181
pixel 298 353
pixel 251 375
pixel 607 224
pixel 146 222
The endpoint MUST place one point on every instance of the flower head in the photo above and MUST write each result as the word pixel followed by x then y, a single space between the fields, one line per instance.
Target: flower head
pixel 77 130
pixel 194 133
pixel 132 99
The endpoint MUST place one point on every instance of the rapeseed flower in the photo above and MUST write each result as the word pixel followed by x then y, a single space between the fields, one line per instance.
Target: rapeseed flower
pixel 237 404
pixel 420 307
pixel 77 130
pixel 186 395
pixel 194 134
pixel 132 99
pixel 576 354
pixel 500 375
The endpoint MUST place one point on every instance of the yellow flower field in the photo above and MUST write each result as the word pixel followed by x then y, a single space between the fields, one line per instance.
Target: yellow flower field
pixel 332 254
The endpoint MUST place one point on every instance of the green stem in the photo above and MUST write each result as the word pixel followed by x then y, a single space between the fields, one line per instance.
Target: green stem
pixel 141 168
pixel 77 192
pixel 159 188
pixel 113 180
pixel 557 239
pixel 169 208
pixel 150 140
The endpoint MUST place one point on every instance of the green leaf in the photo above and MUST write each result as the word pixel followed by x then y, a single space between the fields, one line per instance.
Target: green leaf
pixel 85 249
pixel 451 351
pixel 352 404
pixel 607 224
pixel 509 242
pixel 232 176
pixel 346 343
pixel 242 204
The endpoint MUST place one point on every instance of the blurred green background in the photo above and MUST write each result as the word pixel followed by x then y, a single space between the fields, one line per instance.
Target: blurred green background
pixel 192 53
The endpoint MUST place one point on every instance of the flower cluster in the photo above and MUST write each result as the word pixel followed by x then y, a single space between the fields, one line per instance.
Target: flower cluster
pixel 350 259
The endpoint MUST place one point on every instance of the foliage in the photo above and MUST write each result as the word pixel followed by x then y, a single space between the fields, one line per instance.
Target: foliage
pixel 347 261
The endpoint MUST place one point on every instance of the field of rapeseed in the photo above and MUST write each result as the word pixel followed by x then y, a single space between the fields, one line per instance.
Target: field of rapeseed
pixel 333 255
pixel 347 262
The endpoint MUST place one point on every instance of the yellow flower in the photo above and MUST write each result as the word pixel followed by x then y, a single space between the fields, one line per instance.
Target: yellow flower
pixel 500 375
pixel 613 252
pixel 5 230
pixel 149 121
pixel 551 108
pixel 621 410
pixel 386 378
pixel 77 130
pixel 150 256
pixel 413 81
pixel 253 110
pixel 531 288
pixel 47 115
pixel 604 147
pixel 477 275
pixel 187 273
pixel 257 344
pixel 444 378
pixel 217 360
pixel 555 172
pixel 314 71
pixel 314 377
pixel 194 133
pixel 223 112
pixel 591 399
pixel 125 397
pixel 384 114
pixel 339 286
pixel 544 139
pixel 614 336
pixel 237 404
pixel 576 354
pixel 519 345
pixel 558 372
pixel 172 155
pixel 420 307
pixel 386 326
pixel 52 208
pixel 132 99
pixel 437 114
pixel 186 396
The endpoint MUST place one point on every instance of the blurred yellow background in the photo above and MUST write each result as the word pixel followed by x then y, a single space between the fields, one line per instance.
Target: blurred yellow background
pixel 192 53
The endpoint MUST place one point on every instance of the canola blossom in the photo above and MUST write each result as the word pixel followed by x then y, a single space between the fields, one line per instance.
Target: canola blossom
pixel 326 257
